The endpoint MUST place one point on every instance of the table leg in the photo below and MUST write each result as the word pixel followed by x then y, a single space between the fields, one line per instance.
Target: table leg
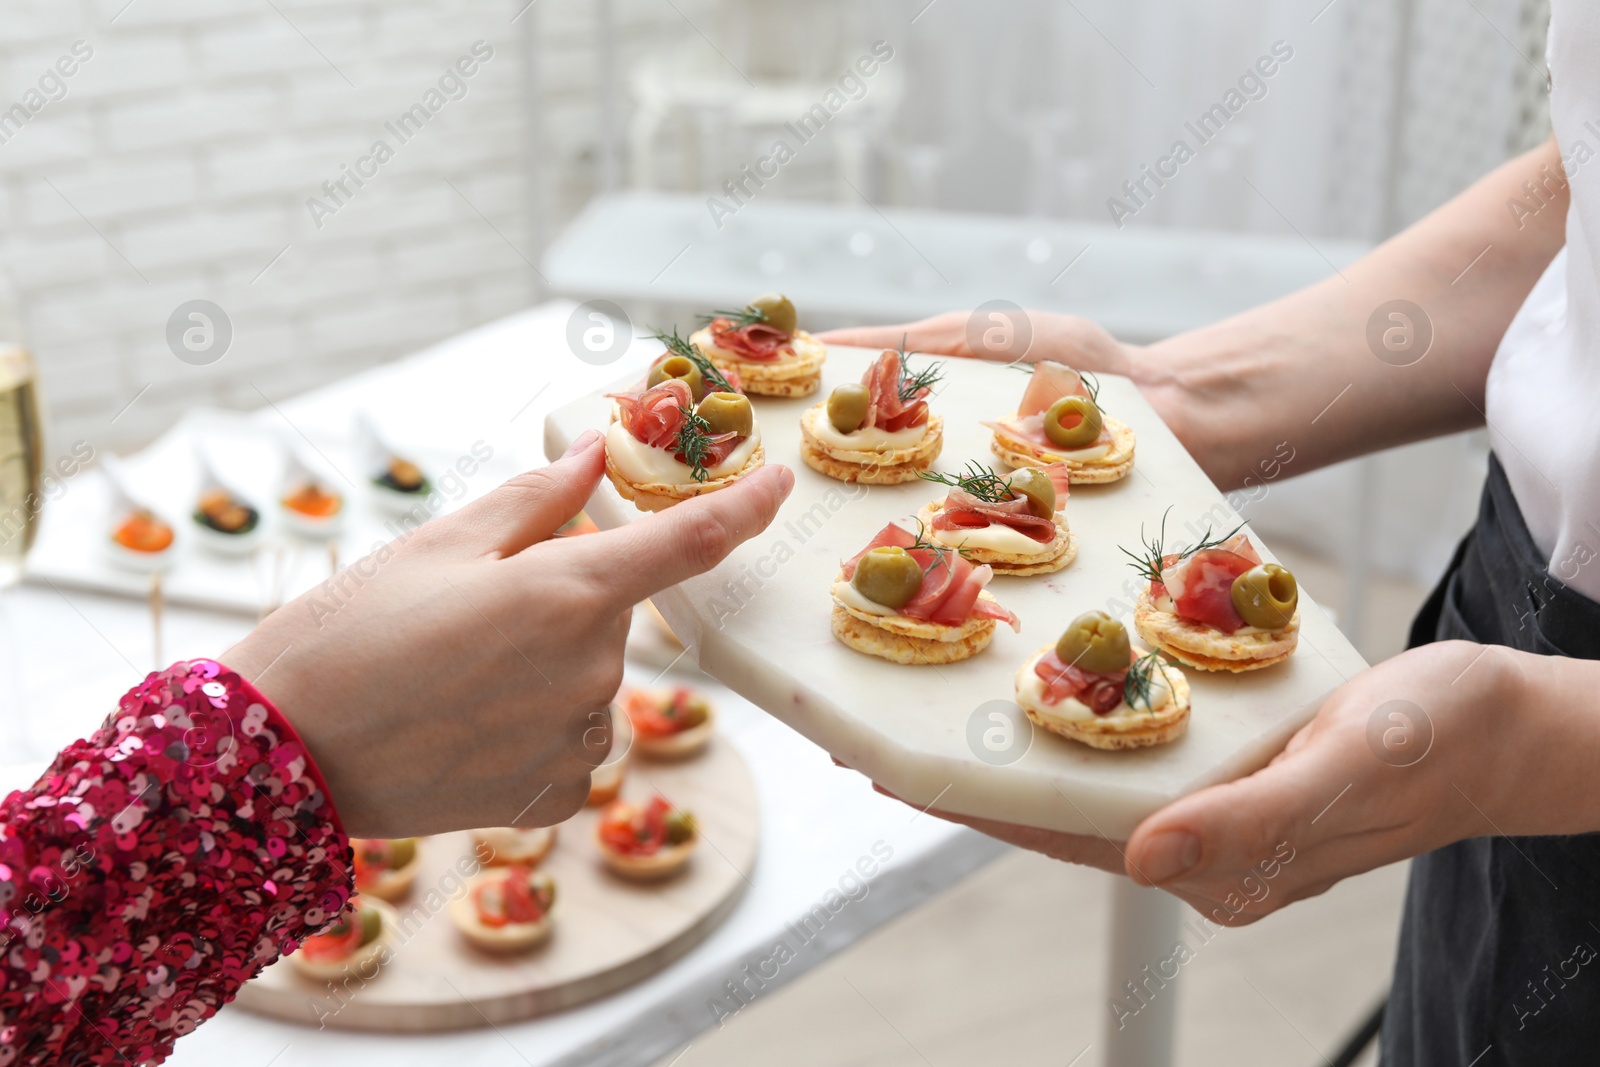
pixel 1142 1001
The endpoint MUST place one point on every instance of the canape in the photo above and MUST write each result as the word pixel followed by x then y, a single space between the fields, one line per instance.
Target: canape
pixel 385 869
pixel 605 781
pixel 225 520
pixel 663 447
pixel 1092 686
pixel 763 344
pixel 1215 606
pixel 137 538
pixel 909 600
pixel 310 505
pixel 646 841
pixel 502 845
pixel 361 942
pixel 668 725
pixel 396 483
pixel 1016 523
pixel 878 431
pixel 1060 421
pixel 505 909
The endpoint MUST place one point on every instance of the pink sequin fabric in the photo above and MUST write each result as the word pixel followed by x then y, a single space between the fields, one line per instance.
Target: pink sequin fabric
pixel 156 867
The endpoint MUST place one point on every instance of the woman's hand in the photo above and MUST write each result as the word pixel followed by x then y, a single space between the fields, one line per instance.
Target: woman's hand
pixel 454 678
pixel 1427 748
pixel 1067 339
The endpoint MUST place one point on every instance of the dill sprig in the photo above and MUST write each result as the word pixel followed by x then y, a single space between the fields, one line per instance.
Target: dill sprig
pixel 941 553
pixel 1149 564
pixel 746 316
pixel 982 482
pixel 912 383
pixel 694 443
pixel 1139 685
pixel 715 380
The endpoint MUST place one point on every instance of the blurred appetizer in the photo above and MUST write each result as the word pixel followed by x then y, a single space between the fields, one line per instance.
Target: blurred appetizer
pixel 1215 605
pixel 505 909
pixel 385 869
pixel 646 841
pixel 664 447
pixel 1016 523
pixel 668 725
pixel 762 344
pixel 605 781
pixel 309 504
pixel 397 484
pixel 909 600
pixel 359 942
pixel 878 431
pixel 225 520
pixel 136 537
pixel 500 845
pixel 1060 421
pixel 1092 686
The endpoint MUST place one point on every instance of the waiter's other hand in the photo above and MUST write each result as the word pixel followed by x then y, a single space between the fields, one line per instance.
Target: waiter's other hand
pixel 456 678
pixel 1411 755
pixel 1077 342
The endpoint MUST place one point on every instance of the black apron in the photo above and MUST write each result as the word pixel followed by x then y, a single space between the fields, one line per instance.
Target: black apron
pixel 1499 956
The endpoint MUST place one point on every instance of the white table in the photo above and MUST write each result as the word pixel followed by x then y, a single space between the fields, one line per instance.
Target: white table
pixel 76 652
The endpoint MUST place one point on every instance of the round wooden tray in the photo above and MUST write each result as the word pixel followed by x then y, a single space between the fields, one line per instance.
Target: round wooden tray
pixel 609 932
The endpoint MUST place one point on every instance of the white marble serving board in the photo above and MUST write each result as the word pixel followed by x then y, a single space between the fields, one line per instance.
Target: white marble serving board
pixel 759 624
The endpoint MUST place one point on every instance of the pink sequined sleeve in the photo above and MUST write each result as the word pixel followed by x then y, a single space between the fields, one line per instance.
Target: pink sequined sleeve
pixel 156 867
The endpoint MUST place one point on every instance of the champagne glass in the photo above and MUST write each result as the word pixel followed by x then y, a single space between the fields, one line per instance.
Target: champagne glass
pixel 21 469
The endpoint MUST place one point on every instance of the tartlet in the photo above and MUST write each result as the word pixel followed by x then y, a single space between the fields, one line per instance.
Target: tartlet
pixel 911 601
pixel 505 909
pixel 663 447
pixel 499 846
pixel 1092 687
pixel 1215 606
pixel 646 842
pixel 763 345
pixel 386 869
pixel 1016 523
pixel 879 431
pixel 668 725
pixel 360 943
pixel 1059 421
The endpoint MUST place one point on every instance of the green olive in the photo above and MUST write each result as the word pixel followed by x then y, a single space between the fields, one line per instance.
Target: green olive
pixel 402 850
pixel 888 575
pixel 693 711
pixel 1095 642
pixel 1266 596
pixel 1035 487
pixel 371 924
pixel 1079 408
pixel 680 826
pixel 847 407
pixel 777 311
pixel 678 367
pixel 727 413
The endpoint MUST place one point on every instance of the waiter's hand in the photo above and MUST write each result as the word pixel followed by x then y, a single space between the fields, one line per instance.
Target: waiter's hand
pixel 1077 342
pixel 455 678
pixel 1420 751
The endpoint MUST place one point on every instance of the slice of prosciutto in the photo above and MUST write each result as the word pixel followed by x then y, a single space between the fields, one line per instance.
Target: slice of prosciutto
pixel 885 409
pixel 963 511
pixel 1050 382
pixel 1063 681
pixel 655 416
pixel 1201 585
pixel 756 343
pixel 950 585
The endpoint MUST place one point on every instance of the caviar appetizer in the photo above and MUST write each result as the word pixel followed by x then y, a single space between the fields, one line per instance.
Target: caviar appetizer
pixel 501 845
pixel 137 538
pixel 308 503
pixel 1016 523
pixel 668 725
pixel 1215 605
pixel 605 781
pixel 910 600
pixel 228 521
pixel 664 446
pixel 878 431
pixel 359 943
pixel 385 869
pixel 646 841
pixel 763 344
pixel 1060 421
pixel 1092 686
pixel 505 909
